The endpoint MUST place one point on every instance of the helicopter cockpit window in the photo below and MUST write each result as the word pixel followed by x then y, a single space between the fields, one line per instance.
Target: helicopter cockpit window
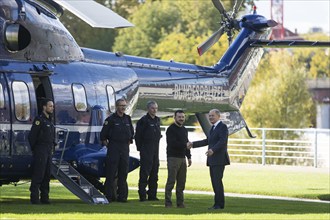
pixel 2 97
pixel 21 101
pixel 111 98
pixel 79 97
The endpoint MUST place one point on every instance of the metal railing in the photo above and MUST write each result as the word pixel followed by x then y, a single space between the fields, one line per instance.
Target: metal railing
pixel 64 146
pixel 294 147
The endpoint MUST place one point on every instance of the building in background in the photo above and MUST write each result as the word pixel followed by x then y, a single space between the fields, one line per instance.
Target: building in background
pixel 320 89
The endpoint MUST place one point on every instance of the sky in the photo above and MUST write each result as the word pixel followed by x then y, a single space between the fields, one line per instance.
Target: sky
pixel 300 14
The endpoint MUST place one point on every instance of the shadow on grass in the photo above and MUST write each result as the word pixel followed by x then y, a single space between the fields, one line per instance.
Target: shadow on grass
pixel 325 197
pixel 196 204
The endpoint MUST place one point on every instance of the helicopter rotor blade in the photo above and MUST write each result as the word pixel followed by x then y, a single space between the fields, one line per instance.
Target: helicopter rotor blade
pixel 219 6
pixel 228 24
pixel 203 47
pixel 236 7
pixel 95 14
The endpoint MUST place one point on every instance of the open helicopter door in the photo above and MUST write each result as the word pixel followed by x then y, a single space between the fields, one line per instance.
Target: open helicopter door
pixel 42 88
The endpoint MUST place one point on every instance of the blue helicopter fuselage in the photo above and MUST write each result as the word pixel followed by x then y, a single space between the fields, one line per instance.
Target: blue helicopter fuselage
pixel 45 61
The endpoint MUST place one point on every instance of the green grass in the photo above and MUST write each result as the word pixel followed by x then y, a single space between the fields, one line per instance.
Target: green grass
pixel 288 181
pixel 14 201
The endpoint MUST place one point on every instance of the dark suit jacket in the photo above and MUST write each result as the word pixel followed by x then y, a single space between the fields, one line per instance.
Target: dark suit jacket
pixel 217 141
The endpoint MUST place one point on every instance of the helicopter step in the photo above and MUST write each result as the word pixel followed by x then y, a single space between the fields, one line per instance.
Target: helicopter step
pixel 65 168
pixel 76 183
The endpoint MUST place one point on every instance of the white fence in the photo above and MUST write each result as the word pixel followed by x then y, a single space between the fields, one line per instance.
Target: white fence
pixel 300 147
pixel 309 147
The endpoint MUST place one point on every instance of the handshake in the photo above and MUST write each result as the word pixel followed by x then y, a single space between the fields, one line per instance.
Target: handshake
pixel 189 145
pixel 208 153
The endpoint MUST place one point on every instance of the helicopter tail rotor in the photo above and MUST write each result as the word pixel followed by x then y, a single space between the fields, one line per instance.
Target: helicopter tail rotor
pixel 236 8
pixel 220 7
pixel 228 24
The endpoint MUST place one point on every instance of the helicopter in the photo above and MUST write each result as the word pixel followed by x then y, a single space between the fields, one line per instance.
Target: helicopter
pixel 39 59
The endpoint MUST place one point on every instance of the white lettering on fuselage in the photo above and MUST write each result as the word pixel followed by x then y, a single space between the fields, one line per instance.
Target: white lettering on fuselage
pixel 200 92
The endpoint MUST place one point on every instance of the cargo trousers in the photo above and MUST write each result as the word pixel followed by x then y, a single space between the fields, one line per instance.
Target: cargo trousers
pixel 177 173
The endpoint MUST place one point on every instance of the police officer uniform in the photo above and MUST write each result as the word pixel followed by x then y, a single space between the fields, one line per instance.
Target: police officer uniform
pixel 118 131
pixel 147 141
pixel 42 142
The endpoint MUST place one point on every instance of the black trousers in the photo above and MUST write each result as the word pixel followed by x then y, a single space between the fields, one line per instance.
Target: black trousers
pixel 117 163
pixel 40 175
pixel 216 173
pixel 149 166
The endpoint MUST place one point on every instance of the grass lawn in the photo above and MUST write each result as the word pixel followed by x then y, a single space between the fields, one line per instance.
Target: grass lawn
pixel 288 181
pixel 277 181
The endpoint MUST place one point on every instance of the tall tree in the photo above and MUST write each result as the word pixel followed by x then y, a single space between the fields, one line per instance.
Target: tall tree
pixel 279 97
pixel 164 22
pixel 196 26
pixel 153 21
pixel 125 8
pixel 317 60
pixel 181 48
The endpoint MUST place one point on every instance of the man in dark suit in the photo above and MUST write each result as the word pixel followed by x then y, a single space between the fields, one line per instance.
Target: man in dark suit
pixel 217 155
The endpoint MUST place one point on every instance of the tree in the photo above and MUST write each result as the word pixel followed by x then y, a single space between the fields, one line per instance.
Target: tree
pixel 161 26
pixel 316 60
pixel 181 48
pixel 279 96
pixel 198 17
pixel 153 21
pixel 195 27
pixel 125 8
pixel 320 64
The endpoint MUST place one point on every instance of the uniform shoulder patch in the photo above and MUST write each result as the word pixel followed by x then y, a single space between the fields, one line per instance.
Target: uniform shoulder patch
pixel 37 122
pixel 106 123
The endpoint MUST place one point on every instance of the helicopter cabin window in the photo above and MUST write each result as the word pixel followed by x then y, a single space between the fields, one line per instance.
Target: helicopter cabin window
pixel 2 97
pixel 111 98
pixel 21 100
pixel 79 97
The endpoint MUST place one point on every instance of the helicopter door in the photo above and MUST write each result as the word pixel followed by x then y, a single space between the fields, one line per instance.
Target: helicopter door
pixel 23 109
pixel 5 125
pixel 42 90
pixel 16 115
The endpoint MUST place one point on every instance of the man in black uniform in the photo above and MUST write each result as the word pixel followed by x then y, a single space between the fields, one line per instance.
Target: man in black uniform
pixel 42 142
pixel 147 142
pixel 117 134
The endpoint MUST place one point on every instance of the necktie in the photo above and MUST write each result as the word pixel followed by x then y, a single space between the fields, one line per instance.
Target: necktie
pixel 212 128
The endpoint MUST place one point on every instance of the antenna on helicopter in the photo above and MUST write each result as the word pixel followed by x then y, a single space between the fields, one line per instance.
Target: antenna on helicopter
pixel 228 24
